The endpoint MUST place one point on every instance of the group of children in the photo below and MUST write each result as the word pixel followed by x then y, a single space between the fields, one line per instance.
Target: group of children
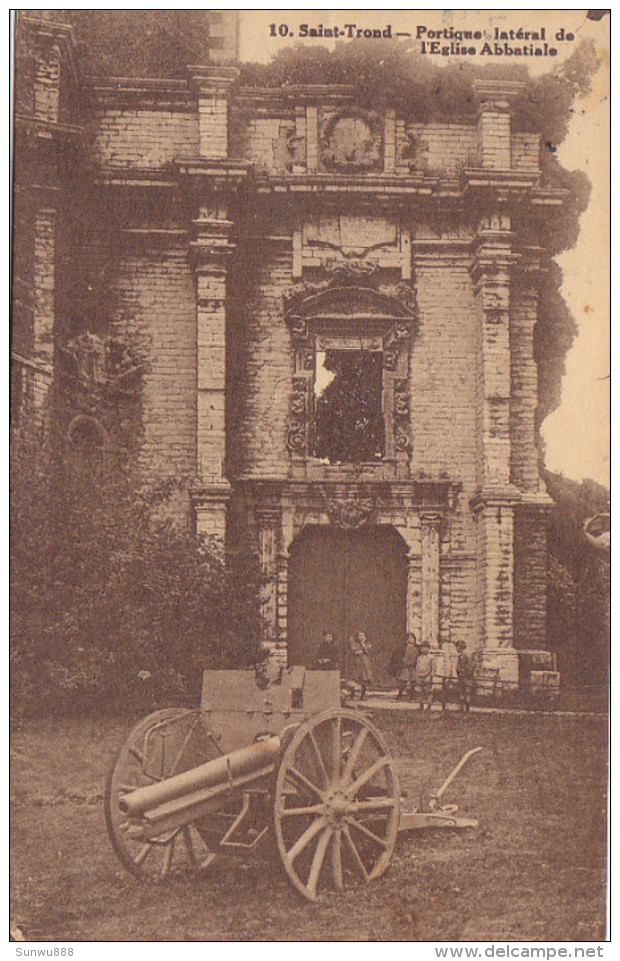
pixel 411 664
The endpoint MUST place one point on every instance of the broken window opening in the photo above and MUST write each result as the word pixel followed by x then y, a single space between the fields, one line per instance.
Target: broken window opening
pixel 349 427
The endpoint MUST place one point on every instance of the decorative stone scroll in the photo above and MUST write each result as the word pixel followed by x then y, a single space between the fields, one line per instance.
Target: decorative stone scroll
pixel 296 438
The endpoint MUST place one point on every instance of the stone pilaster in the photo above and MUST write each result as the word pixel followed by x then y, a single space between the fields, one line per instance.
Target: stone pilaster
pixel 53 52
pixel 411 537
pixel 530 573
pixel 280 648
pixel 494 504
pixel 211 252
pixel 210 504
pixel 491 274
pixel 414 594
pixel 495 518
pixel 268 536
pixel 430 529
pixel 213 84
pixel 44 277
pixel 524 468
pixel 494 101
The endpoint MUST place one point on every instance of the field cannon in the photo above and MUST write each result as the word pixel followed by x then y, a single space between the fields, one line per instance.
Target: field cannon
pixel 283 761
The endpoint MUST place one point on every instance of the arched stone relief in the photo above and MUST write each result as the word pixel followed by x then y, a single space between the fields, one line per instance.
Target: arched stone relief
pixel 351 140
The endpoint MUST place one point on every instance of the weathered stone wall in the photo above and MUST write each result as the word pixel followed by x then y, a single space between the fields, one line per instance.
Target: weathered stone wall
pixel 156 311
pixel 525 152
pixel 262 379
pixel 146 139
pixel 523 387
pixel 530 576
pixel 443 411
pixel 438 148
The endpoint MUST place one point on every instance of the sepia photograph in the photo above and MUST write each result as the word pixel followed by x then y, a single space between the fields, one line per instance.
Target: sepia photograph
pixel 309 493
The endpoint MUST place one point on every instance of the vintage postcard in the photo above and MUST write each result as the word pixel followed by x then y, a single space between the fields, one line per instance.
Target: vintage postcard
pixel 310 477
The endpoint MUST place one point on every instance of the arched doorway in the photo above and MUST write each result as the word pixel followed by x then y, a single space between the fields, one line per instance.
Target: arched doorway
pixel 347 581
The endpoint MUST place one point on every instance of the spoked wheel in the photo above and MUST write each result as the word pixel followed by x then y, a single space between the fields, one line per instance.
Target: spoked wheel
pixel 337 803
pixel 164 743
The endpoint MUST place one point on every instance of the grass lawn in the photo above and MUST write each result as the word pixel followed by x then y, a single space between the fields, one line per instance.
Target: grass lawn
pixel 535 869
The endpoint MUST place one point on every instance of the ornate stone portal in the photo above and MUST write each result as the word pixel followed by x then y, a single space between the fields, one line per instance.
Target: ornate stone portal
pixel 420 511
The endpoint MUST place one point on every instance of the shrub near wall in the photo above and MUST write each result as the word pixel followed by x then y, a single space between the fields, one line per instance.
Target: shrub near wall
pixel 113 608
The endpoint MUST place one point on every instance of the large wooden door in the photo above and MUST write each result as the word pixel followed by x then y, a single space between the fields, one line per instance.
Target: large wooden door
pixel 347 581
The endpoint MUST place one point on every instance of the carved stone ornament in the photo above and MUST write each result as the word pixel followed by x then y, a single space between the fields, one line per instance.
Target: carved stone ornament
pixel 402 329
pixel 390 360
pixel 403 292
pixel 296 439
pixel 298 327
pixel 348 507
pixel 402 441
pixel 351 268
pixel 351 141
pixel 401 401
pixel 101 365
pixel 352 272
pixel 298 403
pixel 297 151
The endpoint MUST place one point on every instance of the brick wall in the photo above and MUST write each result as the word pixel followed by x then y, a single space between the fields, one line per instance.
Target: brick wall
pixel 442 373
pixel 263 142
pixel 525 152
pixel 156 310
pixel 443 412
pixel 265 367
pixel 438 148
pixel 494 139
pixel 148 139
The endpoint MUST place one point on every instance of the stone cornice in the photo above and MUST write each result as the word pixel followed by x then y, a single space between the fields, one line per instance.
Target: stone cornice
pixel 536 503
pixel 157 236
pixel 149 93
pixel 212 78
pixel 48 129
pixel 498 94
pixel 429 495
pixel 219 174
pixel 320 93
pixel 41 367
pixel 204 493
pixel 507 496
pixel 477 178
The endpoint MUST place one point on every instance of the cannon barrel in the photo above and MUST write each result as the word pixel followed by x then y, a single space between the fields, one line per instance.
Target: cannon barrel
pixel 227 771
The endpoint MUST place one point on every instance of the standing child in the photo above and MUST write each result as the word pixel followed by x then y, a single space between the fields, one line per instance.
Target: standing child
pixel 466 676
pixel 359 652
pixel 327 658
pixel 424 677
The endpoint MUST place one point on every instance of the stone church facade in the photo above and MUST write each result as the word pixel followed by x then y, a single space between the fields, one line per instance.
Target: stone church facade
pixel 187 252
